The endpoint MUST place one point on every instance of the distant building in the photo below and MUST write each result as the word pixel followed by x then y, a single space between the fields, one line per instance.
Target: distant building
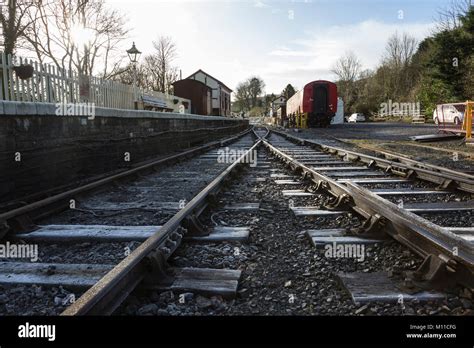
pixel 197 92
pixel 220 93
pixel 276 104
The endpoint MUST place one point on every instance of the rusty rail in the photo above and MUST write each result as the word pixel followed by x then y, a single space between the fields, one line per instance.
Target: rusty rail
pixel 20 218
pixel 446 255
pixel 405 167
pixel 147 261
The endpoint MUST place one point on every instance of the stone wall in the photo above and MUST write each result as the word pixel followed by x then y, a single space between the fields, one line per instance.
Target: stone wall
pixel 40 151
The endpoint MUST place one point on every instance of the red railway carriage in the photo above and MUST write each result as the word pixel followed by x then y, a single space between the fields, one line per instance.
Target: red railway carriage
pixel 313 106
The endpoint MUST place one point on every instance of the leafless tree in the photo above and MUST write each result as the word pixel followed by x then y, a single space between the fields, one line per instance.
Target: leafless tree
pixel 159 71
pixel 398 72
pixel 347 68
pixel 14 20
pixel 156 71
pixel 400 50
pixel 76 34
pixel 449 16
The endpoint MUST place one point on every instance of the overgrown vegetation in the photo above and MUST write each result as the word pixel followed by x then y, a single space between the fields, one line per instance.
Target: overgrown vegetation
pixel 439 69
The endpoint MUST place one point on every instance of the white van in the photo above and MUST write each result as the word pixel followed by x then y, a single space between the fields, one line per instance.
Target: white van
pixel 446 113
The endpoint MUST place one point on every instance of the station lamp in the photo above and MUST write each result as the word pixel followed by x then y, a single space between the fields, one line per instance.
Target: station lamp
pixel 133 54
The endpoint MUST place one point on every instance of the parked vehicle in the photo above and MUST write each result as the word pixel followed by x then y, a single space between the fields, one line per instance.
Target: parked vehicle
pixel 446 113
pixel 356 117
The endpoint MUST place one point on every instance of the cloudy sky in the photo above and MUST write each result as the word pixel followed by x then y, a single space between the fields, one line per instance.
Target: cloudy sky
pixel 282 41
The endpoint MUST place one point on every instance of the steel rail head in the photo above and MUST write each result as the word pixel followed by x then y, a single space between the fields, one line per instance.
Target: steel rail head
pixel 335 187
pixel 444 239
pixel 4 217
pixel 254 129
pixel 420 235
pixel 465 182
pixel 123 277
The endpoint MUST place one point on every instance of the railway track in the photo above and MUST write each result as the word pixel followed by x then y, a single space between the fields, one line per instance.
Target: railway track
pixel 427 208
pixel 282 273
pixel 165 229
pixel 92 245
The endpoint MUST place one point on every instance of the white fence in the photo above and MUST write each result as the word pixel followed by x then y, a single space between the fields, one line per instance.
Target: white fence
pixel 54 85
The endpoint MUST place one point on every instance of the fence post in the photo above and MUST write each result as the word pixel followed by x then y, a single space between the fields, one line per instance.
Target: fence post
pixel 4 82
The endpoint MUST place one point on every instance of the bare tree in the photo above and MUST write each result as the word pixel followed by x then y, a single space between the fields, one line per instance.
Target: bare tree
pixel 160 72
pixel 347 68
pixel 76 34
pixel 156 71
pixel 396 64
pixel 14 20
pixel 400 50
pixel 449 17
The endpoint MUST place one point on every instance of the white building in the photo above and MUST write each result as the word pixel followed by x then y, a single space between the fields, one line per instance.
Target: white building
pixel 276 104
pixel 220 93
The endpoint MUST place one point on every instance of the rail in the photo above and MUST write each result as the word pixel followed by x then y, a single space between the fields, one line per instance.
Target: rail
pixel 147 260
pixel 443 251
pixel 400 166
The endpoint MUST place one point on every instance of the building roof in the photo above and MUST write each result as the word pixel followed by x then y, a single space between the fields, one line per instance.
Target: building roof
pixel 192 81
pixel 205 73
pixel 281 96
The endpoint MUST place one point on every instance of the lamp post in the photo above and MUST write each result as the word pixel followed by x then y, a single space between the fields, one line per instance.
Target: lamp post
pixel 133 55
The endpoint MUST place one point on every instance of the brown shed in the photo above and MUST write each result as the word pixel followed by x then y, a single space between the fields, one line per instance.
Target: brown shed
pixel 197 92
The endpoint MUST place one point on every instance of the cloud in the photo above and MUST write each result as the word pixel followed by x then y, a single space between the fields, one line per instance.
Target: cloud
pixel 260 4
pixel 313 54
pixel 286 52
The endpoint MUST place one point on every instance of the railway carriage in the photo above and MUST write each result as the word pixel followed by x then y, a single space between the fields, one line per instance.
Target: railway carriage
pixel 313 106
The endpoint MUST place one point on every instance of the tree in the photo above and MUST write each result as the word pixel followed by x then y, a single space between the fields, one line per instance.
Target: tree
pixel 288 92
pixel 242 97
pixel 439 69
pixel 400 50
pixel 255 87
pixel 159 65
pixel 156 71
pixel 449 18
pixel 267 102
pixel 399 53
pixel 446 60
pixel 14 20
pixel 248 93
pixel 347 69
pixel 76 35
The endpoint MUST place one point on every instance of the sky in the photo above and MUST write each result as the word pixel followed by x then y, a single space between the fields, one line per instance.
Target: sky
pixel 281 41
